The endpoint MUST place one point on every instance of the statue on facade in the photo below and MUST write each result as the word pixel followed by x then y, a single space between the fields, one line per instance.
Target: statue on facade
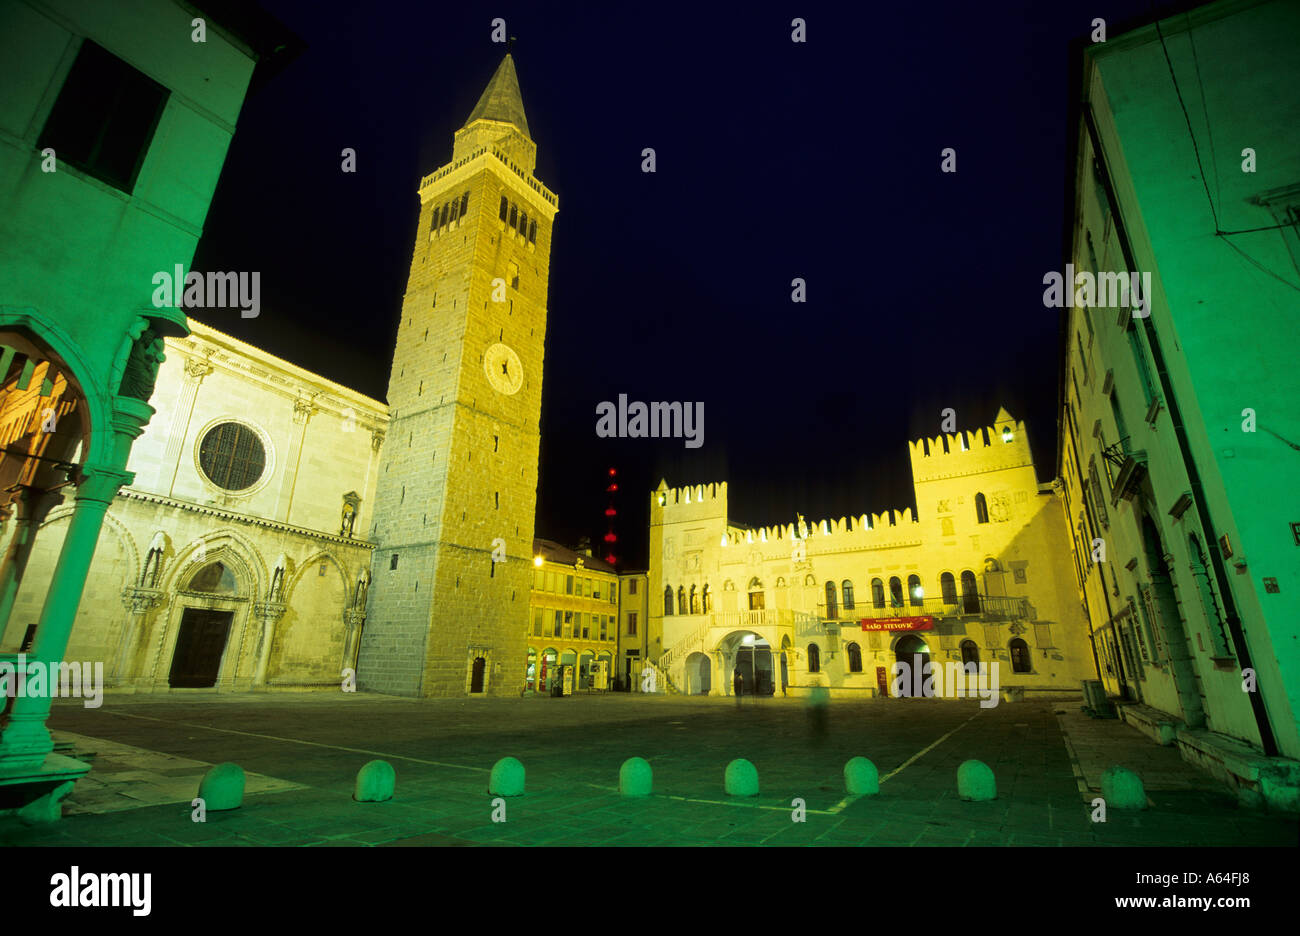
pixel 142 363
pixel 276 592
pixel 153 560
pixel 351 501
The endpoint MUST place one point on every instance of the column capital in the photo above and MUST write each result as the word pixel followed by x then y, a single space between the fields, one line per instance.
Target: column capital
pixel 100 483
pixel 354 616
pixel 269 610
pixel 141 600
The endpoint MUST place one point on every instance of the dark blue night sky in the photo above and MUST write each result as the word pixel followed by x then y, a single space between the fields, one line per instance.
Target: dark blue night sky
pixel 775 160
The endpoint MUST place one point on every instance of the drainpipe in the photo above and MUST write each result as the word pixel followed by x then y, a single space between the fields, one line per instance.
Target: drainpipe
pixel 1258 709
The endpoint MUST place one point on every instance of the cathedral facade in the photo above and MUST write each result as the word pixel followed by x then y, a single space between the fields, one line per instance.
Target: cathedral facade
pixel 235 558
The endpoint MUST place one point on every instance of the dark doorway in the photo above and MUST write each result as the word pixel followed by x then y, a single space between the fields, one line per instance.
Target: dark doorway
pixel 476 675
pixel 199 648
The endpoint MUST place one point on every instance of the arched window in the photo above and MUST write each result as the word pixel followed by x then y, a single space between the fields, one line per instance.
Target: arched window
pixel 831 610
pixel 532 232
pixel 877 593
pixel 514 216
pixel 915 593
pixel 855 657
pixel 523 223
pixel 756 601
pixel 981 509
pixel 695 604
pixel 668 599
pixel 970 598
pixel 455 209
pixel 847 588
pixel 505 207
pixel 681 600
pixel 970 653
pixel 895 592
pixel 464 204
pixel 814 659
pixel 706 601
pixel 948 586
pixel 1019 655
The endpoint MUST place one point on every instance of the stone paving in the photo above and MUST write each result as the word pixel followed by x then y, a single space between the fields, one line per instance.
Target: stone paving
pixel 302 751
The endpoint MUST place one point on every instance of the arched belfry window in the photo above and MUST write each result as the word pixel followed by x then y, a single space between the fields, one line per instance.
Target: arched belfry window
pixel 847 588
pixel 877 593
pixel 895 592
pixel 831 609
pixel 668 599
pixel 814 659
pixel 981 508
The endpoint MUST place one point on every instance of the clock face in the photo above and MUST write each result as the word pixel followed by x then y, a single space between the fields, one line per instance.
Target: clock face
pixel 504 370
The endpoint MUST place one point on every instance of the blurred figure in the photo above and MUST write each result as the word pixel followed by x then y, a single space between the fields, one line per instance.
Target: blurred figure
pixel 817 704
pixel 739 685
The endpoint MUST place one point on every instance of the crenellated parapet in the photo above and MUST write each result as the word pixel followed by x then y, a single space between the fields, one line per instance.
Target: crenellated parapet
pixel 1005 444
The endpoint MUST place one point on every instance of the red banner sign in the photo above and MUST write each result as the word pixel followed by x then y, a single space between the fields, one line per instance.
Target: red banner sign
pixel 898 623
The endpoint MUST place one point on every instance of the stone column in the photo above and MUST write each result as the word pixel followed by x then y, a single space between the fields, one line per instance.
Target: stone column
pixel 354 618
pixel 267 613
pixel 139 603
pixel 31 506
pixel 25 740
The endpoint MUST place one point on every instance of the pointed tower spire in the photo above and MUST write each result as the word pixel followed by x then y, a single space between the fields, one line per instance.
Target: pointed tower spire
pixel 501 99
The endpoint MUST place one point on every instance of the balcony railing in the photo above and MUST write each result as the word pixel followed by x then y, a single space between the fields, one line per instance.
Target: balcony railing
pixel 999 606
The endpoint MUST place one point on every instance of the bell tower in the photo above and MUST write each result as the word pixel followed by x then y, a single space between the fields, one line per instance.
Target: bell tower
pixel 447 610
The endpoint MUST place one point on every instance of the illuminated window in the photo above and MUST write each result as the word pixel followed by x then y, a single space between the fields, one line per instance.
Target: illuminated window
pixel 104 119
pixel 981 509
pixel 538 617
pixel 915 593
